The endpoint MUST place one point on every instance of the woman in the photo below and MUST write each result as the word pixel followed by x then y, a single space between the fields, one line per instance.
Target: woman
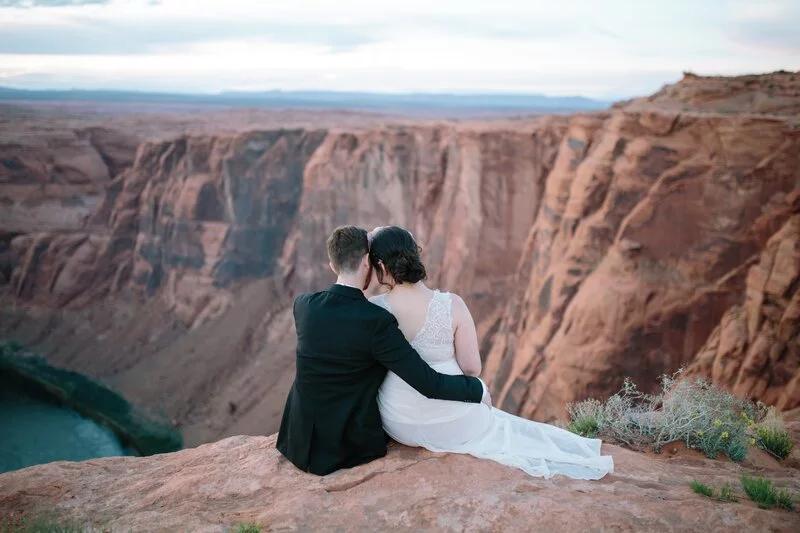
pixel 439 326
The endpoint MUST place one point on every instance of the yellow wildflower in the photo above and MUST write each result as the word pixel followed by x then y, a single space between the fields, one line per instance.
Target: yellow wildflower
pixel 752 442
pixel 700 432
pixel 724 434
pixel 718 422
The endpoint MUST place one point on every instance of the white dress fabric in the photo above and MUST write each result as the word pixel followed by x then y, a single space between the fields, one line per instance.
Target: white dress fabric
pixel 410 418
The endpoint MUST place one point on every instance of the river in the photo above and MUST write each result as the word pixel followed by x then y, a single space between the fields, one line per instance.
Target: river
pixel 35 430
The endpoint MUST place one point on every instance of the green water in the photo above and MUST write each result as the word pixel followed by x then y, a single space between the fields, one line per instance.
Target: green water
pixel 35 430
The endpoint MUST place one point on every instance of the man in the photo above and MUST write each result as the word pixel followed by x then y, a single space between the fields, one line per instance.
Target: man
pixel 344 347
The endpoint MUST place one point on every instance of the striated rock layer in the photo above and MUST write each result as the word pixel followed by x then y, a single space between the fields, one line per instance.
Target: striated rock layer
pixel 53 180
pixel 648 225
pixel 755 349
pixel 245 480
pixel 589 248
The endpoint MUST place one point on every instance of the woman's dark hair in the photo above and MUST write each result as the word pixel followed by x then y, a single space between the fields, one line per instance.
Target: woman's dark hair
pixel 398 251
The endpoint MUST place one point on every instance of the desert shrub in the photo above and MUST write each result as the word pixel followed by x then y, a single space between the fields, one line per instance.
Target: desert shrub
pixel 771 436
pixel 583 419
pixel 693 411
pixel 764 493
pixel 778 443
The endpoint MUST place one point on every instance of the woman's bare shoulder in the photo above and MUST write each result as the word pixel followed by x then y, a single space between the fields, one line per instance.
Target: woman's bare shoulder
pixel 459 307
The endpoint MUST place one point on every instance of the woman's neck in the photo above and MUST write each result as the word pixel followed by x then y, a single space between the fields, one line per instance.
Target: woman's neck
pixel 408 286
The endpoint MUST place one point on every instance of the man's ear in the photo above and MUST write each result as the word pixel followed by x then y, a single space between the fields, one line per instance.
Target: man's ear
pixel 332 268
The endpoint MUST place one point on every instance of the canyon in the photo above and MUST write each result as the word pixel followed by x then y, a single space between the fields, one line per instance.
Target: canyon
pixel 161 253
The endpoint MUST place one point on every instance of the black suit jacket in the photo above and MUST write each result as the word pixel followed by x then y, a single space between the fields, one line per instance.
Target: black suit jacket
pixel 345 344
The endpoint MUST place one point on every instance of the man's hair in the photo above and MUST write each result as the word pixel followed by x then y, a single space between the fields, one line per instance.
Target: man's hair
pixel 347 246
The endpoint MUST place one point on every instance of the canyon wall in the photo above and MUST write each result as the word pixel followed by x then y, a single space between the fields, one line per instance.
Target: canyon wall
pixel 589 248
pixel 650 221
pixel 54 179
pixel 185 273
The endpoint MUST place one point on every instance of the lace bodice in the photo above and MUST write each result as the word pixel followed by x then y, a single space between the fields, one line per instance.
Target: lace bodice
pixel 434 341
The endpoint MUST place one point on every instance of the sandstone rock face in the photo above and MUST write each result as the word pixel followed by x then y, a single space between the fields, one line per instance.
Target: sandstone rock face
pixel 195 215
pixel 776 93
pixel 589 248
pixel 244 479
pixel 755 350
pixel 649 223
pixel 222 231
pixel 54 180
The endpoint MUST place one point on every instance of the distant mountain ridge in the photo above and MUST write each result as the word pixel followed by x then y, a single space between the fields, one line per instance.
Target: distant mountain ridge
pixel 321 99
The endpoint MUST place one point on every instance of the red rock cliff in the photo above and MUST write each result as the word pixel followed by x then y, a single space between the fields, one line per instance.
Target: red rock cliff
pixel 589 248
pixel 650 220
pixel 195 221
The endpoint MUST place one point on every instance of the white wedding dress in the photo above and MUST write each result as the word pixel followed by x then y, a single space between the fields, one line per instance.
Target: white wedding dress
pixel 410 418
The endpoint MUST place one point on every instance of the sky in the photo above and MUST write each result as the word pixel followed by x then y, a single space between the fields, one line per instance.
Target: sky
pixel 605 49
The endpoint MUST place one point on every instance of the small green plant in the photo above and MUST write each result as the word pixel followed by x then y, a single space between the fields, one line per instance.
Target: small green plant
pixel 725 493
pixel 252 527
pixel 702 488
pixel 776 442
pixel 784 499
pixel 764 493
pixel 41 524
pixel 585 426
pixel 771 436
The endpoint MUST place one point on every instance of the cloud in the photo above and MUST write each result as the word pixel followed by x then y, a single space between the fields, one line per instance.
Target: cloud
pixel 98 34
pixel 50 3
pixel 771 26
pixel 77 35
pixel 562 47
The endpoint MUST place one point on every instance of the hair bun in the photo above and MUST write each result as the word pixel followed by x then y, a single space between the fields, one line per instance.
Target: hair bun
pixel 406 266
pixel 396 248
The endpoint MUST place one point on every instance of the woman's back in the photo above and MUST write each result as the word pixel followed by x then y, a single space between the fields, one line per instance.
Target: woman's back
pixel 425 318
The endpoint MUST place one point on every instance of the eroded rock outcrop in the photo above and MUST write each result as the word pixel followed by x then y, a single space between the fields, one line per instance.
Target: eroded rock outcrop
pixel 244 480
pixel 54 179
pixel 195 215
pixel 649 222
pixel 755 350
